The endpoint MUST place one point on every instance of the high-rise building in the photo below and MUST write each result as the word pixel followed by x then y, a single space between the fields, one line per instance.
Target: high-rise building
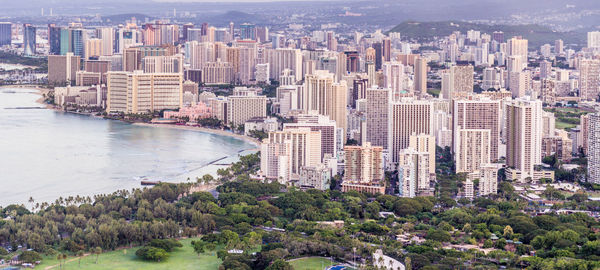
pixel 331 41
pixel 158 34
pixel 518 46
pixel 163 64
pixel 107 35
pixel 524 136
pixel 393 79
pixel 138 92
pixel 589 79
pixel 386 44
pixel 262 34
pixel 488 179
pixel 519 83
pixel 420 75
pixel 593 151
pixel 457 81
pixel 498 36
pixel 414 172
pixel 492 78
pixel 407 117
pixel 248 54
pixel 99 67
pixel 479 113
pixel 545 69
pixel 284 58
pixel 364 169
pixel 186 27
pixel 302 148
pixel 62 68
pixel 242 108
pixel 548 124
pixel 472 149
pixel 275 160
pixel 424 143
pixel 469 188
pixel 463 78
pixel 76 40
pixel 377 116
pixel 132 59
pixel 559 145
pixel 593 40
pixel 217 73
pixel 378 55
pixel 247 31
pixel 584 121
pixel 559 46
pixel 6 33
pixel 352 61
pixel 322 94
pixel 54 39
pixel 127 37
pixel 93 48
pixel 29 39
pixel 326 126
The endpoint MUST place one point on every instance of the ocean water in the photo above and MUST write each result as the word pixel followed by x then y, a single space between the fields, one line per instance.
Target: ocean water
pixel 46 154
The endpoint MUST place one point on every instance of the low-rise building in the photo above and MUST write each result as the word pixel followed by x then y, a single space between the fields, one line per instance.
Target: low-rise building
pixel 317 177
pixel 191 113
pixel 266 124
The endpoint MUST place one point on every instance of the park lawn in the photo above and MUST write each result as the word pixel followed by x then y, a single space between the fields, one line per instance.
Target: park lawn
pixel 564 125
pixel 181 258
pixel 573 110
pixel 311 263
pixel 434 92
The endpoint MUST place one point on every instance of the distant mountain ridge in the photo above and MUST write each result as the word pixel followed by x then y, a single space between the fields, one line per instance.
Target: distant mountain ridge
pixel 536 34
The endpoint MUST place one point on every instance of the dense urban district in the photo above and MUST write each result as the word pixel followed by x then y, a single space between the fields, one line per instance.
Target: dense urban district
pixel 467 149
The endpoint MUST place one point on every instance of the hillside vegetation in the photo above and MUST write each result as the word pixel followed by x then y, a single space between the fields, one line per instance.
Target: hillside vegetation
pixel 536 34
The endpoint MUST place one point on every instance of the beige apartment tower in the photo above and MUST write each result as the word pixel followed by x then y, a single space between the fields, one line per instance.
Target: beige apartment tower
pixel 305 147
pixel 589 79
pixel 377 116
pixel 424 143
pixel 479 113
pixel 323 95
pixel 143 92
pixel 472 149
pixel 407 117
pixel 420 76
pixel 242 108
pixel 524 136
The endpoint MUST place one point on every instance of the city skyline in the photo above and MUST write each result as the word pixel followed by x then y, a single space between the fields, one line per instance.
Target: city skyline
pixel 281 135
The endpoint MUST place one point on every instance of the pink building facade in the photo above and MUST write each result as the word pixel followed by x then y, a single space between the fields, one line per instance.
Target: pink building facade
pixel 199 111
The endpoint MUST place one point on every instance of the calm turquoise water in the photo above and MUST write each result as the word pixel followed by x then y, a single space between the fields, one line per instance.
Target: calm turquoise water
pixel 46 154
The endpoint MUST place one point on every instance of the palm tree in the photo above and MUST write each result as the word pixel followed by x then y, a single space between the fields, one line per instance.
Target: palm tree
pixel 59 258
pixel 80 254
pixel 31 201
pixel 97 251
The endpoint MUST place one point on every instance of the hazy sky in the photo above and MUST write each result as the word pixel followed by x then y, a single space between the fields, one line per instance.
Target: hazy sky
pixel 225 1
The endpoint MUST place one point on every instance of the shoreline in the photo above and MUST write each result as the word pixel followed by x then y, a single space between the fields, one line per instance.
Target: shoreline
pixel 27 86
pixel 247 139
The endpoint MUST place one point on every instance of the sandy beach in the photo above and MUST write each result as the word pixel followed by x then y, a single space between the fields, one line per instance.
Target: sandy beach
pixel 27 86
pixel 253 141
pixel 40 91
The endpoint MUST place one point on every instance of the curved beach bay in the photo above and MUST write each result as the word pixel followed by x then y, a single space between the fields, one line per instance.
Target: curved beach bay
pixel 47 154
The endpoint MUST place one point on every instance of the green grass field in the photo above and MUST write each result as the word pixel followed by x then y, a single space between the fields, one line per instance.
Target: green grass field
pixel 434 92
pixel 182 258
pixel 313 263
pixel 563 125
